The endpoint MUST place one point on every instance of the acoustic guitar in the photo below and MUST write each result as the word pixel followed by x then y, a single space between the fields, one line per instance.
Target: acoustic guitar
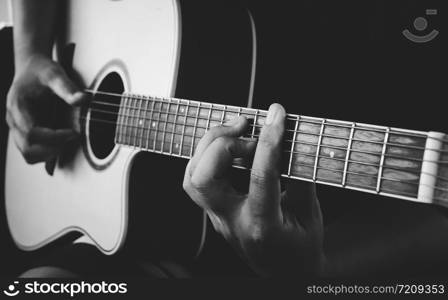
pixel 139 60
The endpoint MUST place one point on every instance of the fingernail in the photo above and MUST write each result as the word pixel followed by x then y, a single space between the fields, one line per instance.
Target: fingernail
pixel 273 112
pixel 77 96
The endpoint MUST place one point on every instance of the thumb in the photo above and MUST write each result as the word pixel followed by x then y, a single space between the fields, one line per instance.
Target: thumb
pixel 64 87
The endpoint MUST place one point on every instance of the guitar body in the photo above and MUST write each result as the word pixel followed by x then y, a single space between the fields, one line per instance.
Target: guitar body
pixel 156 47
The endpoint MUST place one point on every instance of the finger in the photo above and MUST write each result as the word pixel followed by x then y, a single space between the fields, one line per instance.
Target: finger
pixel 53 137
pixel 50 165
pixel 264 189
pixel 218 158
pixel 300 200
pixel 20 118
pixel 33 153
pixel 23 122
pixel 234 128
pixel 58 81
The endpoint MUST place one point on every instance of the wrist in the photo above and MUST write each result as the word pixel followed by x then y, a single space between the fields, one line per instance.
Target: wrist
pixel 25 57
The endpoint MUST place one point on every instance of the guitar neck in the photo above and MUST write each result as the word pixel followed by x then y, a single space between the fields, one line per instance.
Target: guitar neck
pixel 394 162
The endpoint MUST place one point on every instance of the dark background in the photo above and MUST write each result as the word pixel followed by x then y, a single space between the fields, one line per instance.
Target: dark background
pixel 336 59
pixel 8 252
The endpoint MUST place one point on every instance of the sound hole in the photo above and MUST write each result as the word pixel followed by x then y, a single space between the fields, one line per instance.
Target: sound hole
pixel 103 116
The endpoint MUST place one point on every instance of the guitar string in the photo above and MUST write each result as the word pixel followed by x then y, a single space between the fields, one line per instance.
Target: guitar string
pixel 409 147
pixel 176 116
pixel 296 141
pixel 318 180
pixel 187 146
pixel 261 113
pixel 320 156
pixel 258 112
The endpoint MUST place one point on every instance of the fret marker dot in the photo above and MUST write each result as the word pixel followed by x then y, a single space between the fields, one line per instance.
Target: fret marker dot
pixel 140 122
pixel 153 124
pixel 181 110
pixel 332 154
pixel 176 146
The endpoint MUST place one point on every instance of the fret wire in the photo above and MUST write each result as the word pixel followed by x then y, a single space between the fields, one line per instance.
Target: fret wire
pixel 318 149
pixel 123 119
pixel 134 117
pixel 183 129
pixel 127 121
pixel 118 129
pixel 347 156
pixel 223 115
pixel 207 126
pixel 255 123
pixel 174 127
pixel 141 123
pixel 194 129
pixel 148 127
pixel 164 127
pixel 156 125
pixel 383 152
pixel 292 145
pixel 131 122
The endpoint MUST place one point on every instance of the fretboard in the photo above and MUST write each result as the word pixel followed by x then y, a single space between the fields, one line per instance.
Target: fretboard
pixel 388 161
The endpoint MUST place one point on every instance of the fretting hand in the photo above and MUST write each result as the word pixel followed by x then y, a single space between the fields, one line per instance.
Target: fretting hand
pixel 276 233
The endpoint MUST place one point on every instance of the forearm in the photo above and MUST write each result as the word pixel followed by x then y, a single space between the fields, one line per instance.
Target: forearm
pixel 34 28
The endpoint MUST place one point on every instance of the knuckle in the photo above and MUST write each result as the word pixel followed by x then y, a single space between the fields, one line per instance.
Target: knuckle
pixel 186 185
pixel 198 184
pixel 52 72
pixel 258 178
pixel 11 98
pixel 9 120
pixel 29 156
pixel 257 234
pixel 215 131
pixel 28 137
pixel 223 142
pixel 266 141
